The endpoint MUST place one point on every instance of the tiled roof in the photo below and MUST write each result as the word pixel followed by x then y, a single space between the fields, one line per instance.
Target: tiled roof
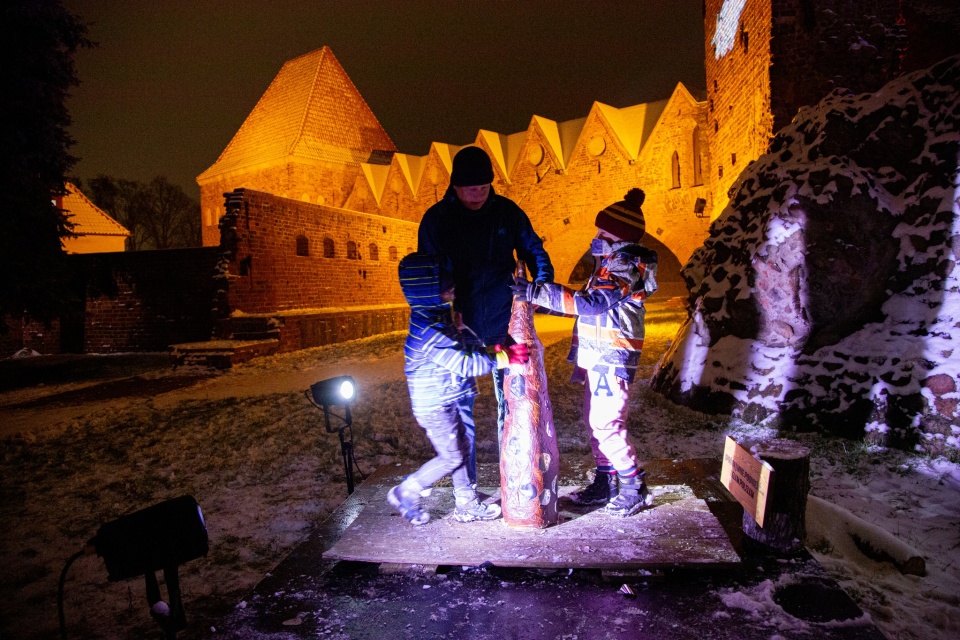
pixel 89 219
pixel 312 111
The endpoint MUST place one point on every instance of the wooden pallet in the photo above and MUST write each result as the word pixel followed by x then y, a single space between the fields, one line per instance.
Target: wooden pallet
pixel 678 530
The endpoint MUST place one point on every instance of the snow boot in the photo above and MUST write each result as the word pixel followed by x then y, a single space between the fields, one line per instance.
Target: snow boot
pixel 468 508
pixel 633 496
pixel 407 502
pixel 600 491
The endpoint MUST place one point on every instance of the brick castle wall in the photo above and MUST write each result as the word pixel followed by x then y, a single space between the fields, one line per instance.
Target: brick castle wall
pixel 128 301
pixel 281 255
pixel 787 54
pixel 324 183
pixel 36 336
pixel 302 331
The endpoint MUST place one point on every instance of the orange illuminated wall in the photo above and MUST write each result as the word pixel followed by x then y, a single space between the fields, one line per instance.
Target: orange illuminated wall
pixel 737 63
pixel 305 139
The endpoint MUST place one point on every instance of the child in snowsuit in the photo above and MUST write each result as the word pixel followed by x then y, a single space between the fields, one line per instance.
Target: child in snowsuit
pixel 440 373
pixel 607 341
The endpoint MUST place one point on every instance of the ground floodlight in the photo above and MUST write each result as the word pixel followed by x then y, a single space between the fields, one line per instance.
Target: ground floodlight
pixel 338 392
pixel 159 537
pixel 334 391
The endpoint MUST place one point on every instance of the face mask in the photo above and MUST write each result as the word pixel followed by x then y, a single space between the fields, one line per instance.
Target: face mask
pixel 600 247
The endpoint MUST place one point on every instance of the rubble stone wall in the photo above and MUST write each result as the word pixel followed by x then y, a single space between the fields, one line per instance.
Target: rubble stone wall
pixel 146 300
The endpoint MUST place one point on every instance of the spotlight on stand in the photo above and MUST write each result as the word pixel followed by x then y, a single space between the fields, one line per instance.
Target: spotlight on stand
pixel 165 535
pixel 338 392
pixel 335 391
pixel 158 538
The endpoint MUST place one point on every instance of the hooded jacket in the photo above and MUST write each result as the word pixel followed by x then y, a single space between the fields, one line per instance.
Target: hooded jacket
pixel 480 245
pixel 439 369
pixel 609 308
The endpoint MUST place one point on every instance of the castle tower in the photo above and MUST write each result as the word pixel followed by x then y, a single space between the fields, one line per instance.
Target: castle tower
pixel 305 139
pixel 765 59
pixel 737 64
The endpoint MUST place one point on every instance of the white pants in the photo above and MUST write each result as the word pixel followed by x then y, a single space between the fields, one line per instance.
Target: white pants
pixel 605 407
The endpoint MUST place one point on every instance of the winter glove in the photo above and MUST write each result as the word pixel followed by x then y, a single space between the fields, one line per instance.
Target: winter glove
pixel 523 290
pixel 513 354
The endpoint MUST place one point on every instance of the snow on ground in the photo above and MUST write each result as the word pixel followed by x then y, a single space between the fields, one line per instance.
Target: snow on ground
pixel 252 450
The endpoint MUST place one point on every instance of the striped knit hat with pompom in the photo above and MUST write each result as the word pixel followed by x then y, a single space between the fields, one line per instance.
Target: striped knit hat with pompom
pixel 624 219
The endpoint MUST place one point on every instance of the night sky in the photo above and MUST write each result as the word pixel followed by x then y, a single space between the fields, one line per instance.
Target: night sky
pixel 173 80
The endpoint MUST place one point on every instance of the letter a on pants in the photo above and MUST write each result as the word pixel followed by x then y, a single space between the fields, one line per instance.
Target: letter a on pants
pixel 605 412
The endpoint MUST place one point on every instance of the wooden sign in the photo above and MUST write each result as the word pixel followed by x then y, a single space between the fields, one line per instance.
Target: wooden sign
pixel 747 478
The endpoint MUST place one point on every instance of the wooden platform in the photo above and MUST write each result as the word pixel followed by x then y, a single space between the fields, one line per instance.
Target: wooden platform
pixel 678 530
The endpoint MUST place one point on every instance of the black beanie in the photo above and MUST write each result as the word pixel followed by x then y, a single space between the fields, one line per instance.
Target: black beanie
pixel 471 167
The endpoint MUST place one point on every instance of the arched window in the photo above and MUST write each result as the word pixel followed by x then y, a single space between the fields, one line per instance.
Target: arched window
pixel 329 248
pixel 392 252
pixel 675 170
pixel 303 246
pixel 352 250
pixel 374 251
pixel 697 160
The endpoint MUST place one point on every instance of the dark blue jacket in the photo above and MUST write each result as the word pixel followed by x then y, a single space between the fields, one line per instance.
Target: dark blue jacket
pixel 481 245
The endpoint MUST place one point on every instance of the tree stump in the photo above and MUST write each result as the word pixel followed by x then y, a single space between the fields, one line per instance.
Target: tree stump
pixel 529 457
pixel 784 525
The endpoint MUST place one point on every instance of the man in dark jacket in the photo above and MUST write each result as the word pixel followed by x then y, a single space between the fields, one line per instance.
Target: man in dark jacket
pixel 479 231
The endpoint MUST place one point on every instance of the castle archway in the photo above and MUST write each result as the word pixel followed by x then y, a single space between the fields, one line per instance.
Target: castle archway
pixel 668 269
pixel 573 263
